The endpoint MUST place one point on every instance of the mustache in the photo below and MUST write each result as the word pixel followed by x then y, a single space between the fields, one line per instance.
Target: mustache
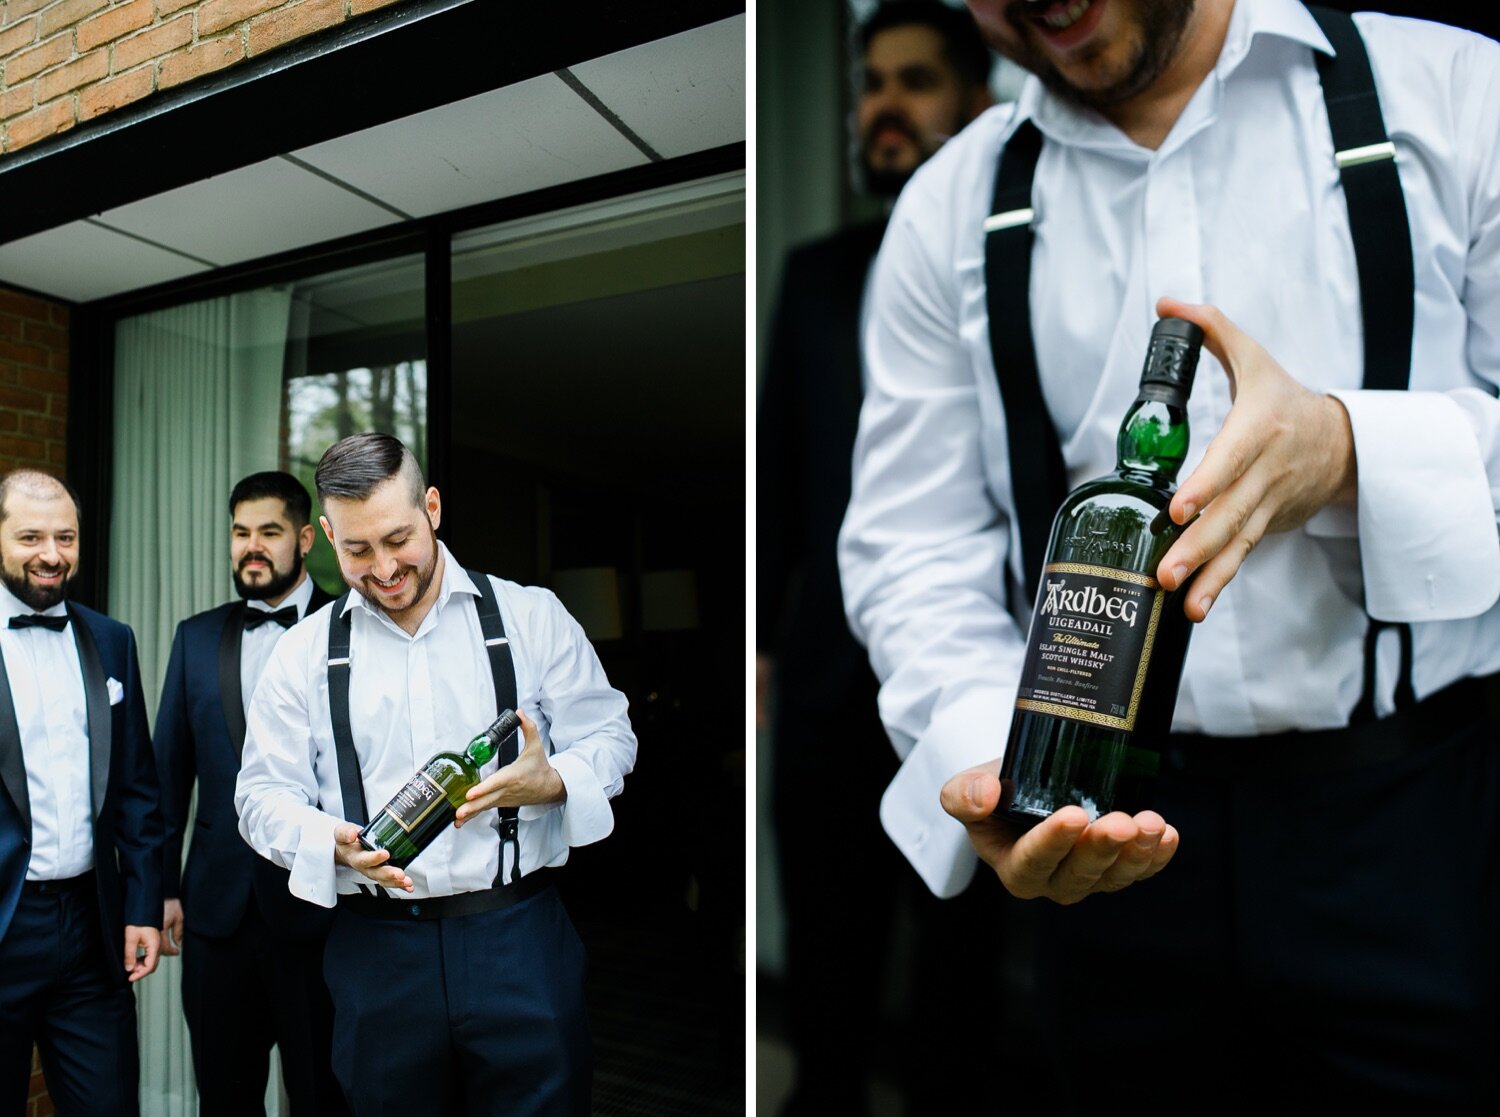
pixel 247 559
pixel 891 120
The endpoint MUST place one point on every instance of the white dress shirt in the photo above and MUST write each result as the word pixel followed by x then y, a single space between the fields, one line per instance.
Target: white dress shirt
pixel 1240 207
pixel 256 644
pixel 46 684
pixel 411 697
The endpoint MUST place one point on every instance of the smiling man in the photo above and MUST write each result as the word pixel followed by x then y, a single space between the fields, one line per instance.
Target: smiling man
pixel 252 954
pixel 80 836
pixel 1320 195
pixel 456 982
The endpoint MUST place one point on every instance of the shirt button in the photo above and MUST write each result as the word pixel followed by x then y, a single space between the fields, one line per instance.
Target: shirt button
pixel 416 909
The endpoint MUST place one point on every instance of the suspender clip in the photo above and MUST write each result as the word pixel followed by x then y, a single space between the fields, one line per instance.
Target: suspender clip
pixel 1010 219
pixel 1370 153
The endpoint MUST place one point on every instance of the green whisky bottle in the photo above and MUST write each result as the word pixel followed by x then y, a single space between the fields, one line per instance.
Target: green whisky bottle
pixel 428 801
pixel 1105 651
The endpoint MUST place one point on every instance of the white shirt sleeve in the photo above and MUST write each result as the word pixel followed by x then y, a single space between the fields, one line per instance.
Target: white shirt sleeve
pixel 924 544
pixel 277 791
pixel 1429 462
pixel 593 745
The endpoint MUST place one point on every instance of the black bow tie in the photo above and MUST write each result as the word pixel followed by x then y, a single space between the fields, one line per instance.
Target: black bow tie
pixel 39 620
pixel 286 617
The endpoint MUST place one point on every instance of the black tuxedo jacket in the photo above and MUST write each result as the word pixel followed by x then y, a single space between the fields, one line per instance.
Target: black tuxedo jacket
pixel 127 823
pixel 809 414
pixel 200 733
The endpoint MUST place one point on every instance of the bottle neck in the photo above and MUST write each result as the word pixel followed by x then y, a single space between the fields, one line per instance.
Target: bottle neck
pixel 1154 435
pixel 482 749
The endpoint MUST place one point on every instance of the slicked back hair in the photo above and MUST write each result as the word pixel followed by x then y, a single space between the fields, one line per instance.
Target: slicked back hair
pixel 354 467
pixel 283 486
pixel 37 485
pixel 963 46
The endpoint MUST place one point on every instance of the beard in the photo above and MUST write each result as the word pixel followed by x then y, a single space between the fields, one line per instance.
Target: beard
pixel 887 182
pixel 38 598
pixel 1161 26
pixel 424 575
pixel 279 583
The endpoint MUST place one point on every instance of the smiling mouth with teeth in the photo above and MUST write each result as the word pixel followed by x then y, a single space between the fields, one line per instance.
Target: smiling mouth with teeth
pixel 1060 17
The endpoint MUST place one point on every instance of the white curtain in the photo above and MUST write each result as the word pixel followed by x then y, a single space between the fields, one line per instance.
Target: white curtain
pixel 198 393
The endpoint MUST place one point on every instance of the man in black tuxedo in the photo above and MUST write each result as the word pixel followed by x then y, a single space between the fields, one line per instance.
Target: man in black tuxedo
pixel 252 973
pixel 925 75
pixel 80 833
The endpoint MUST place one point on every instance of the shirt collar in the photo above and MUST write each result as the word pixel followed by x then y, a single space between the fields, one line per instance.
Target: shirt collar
pixel 298 597
pixel 1063 122
pixel 13 606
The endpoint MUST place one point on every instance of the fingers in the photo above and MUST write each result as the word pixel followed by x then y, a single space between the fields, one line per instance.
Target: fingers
pixel 1064 857
pixel 1138 858
pixel 372 865
pixel 142 951
pixel 530 738
pixel 1229 344
pixel 147 965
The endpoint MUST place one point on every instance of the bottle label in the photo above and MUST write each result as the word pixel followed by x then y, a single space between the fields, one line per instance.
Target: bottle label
pixel 1090 644
pixel 414 802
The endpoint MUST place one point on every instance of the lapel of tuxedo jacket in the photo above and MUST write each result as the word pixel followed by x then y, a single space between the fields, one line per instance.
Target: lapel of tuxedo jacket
pixel 12 763
pixel 229 677
pixel 96 696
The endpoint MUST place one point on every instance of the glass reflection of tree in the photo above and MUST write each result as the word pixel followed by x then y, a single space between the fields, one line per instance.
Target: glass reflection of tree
pixel 1110 536
pixel 325 407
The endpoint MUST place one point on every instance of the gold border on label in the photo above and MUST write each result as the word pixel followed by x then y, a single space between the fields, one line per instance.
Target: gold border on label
pixel 441 798
pixel 1101 572
pixel 1091 717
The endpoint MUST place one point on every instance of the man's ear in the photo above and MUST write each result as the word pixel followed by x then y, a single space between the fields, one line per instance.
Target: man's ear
pixel 306 537
pixel 434 508
pixel 327 528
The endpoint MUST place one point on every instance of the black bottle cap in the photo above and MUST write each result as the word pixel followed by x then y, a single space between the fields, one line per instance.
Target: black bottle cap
pixel 503 726
pixel 1172 357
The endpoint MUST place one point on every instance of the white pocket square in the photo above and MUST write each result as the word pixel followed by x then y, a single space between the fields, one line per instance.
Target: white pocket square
pixel 116 691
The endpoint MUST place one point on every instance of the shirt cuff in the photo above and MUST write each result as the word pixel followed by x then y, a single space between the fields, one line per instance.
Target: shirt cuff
pixel 586 813
pixel 968 732
pixel 1427 534
pixel 312 877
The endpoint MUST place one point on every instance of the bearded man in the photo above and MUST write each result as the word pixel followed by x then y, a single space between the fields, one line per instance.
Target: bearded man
pixel 80 834
pixel 457 980
pixel 252 954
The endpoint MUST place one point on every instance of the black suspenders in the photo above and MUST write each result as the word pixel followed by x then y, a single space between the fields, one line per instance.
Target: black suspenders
pixel 1382 252
pixel 502 670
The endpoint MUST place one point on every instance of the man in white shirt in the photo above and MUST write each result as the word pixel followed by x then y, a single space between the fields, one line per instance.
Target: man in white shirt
pixel 80 834
pixel 460 983
pixel 1186 152
pixel 252 953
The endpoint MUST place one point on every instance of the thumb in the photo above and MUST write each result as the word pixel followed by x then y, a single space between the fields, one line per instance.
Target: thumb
pixel 346 833
pixel 1229 344
pixel 973 795
pixel 530 737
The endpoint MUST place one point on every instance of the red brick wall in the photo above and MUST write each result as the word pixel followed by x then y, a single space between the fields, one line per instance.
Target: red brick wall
pixel 38 1104
pixel 33 426
pixel 63 62
pixel 33 383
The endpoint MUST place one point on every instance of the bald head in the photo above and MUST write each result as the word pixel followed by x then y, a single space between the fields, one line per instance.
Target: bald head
pixel 34 485
pixel 38 537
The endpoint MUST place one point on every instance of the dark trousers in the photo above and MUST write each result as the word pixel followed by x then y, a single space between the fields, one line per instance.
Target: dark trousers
pixel 865 939
pixel 242 995
pixel 58 990
pixel 472 1014
pixel 1320 937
